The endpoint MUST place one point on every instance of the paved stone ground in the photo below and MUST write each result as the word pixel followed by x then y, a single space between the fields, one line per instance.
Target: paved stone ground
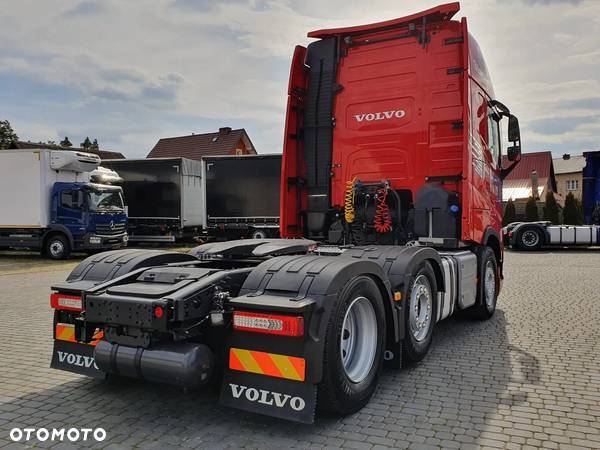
pixel 530 377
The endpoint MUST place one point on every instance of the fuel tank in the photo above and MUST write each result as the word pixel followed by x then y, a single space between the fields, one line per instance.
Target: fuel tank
pixel 183 364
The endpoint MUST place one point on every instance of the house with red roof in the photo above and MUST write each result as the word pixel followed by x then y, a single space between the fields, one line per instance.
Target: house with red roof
pixel 532 176
pixel 223 142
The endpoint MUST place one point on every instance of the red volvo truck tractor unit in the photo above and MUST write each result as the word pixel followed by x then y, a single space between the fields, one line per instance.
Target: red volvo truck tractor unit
pixel 390 210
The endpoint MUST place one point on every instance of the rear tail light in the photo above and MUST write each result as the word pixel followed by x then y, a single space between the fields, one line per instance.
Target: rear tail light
pixel 268 323
pixel 68 302
pixel 510 234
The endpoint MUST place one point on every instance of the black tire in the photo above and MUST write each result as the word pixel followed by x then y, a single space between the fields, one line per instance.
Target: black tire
pixel 337 392
pixel 417 342
pixel 57 247
pixel 259 234
pixel 530 238
pixel 485 305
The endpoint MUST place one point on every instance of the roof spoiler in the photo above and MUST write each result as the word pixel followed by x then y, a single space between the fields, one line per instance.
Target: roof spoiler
pixel 436 14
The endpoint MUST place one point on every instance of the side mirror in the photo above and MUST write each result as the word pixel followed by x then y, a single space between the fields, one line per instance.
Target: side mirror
pixel 514 152
pixel 514 133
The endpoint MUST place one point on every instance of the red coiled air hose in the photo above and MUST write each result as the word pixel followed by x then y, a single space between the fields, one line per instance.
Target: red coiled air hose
pixel 383 220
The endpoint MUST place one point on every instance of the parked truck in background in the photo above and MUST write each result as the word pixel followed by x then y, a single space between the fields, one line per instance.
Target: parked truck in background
pixel 391 212
pixel 591 188
pixel 164 198
pixel 242 196
pixel 536 235
pixel 48 203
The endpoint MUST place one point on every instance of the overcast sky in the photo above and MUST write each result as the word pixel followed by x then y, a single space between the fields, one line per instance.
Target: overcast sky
pixel 130 72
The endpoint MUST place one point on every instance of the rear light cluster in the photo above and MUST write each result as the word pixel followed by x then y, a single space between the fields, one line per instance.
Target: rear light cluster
pixel 268 323
pixel 67 302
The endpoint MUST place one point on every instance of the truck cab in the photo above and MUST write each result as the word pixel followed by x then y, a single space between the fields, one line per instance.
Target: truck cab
pixel 91 215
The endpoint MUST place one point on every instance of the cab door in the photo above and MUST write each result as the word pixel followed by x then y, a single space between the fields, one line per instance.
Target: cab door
pixel 485 148
pixel 69 211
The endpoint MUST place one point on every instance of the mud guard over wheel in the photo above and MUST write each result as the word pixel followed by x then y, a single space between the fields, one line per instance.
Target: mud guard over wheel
pixel 307 285
pixel 106 266
pixel 322 289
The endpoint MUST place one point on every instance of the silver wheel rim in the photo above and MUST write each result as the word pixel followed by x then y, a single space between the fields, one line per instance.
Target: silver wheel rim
pixel 530 238
pixel 56 248
pixel 358 342
pixel 490 285
pixel 420 308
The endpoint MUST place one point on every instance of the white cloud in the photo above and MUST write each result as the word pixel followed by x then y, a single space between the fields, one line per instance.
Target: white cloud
pixel 129 62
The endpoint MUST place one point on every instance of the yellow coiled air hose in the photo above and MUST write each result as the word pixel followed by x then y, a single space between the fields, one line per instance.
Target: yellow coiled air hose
pixel 349 212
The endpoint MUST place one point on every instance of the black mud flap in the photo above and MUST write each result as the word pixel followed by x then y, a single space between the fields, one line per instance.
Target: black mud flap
pixel 75 357
pixel 289 400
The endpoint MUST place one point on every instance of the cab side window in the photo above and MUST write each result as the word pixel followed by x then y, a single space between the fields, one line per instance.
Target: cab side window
pixel 494 138
pixel 70 199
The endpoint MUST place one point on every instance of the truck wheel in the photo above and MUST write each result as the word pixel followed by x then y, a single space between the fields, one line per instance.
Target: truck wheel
pixel 259 234
pixel 57 247
pixel 419 312
pixel 530 239
pixel 487 289
pixel 354 344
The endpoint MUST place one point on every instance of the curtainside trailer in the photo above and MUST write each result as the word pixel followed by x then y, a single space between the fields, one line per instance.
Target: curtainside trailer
pixel 242 195
pixel 391 215
pixel 164 196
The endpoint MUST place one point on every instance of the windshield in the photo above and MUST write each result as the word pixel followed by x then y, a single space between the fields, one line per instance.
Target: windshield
pixel 105 201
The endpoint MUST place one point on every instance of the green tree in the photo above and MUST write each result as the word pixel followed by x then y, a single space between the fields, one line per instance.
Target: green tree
pixel 510 213
pixel 7 134
pixel 66 142
pixel 551 208
pixel 579 204
pixel 87 144
pixel 531 210
pixel 95 145
pixel 572 212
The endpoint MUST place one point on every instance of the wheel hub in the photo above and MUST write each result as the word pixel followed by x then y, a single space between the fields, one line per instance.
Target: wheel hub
pixel 530 238
pixel 420 308
pixel 358 339
pixel 489 285
pixel 56 248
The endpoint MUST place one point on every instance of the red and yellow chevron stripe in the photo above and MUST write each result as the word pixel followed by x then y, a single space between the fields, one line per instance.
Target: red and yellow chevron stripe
pixel 270 364
pixel 66 332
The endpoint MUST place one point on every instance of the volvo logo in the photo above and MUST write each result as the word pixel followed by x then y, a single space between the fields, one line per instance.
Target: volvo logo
pixel 383 115
pixel 76 360
pixel 265 397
